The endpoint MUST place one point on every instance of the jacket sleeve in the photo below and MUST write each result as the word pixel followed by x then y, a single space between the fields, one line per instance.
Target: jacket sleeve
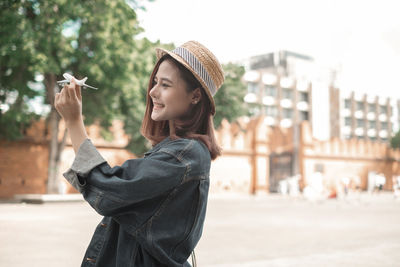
pixel 111 191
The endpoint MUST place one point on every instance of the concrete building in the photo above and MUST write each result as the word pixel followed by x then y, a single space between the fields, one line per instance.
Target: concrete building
pixel 363 116
pixel 279 88
pixel 288 88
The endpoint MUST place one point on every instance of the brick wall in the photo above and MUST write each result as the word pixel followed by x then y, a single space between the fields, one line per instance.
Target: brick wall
pixel 23 168
pixel 24 164
pixel 243 166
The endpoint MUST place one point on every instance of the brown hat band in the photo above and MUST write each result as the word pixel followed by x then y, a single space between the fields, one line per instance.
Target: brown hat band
pixel 197 67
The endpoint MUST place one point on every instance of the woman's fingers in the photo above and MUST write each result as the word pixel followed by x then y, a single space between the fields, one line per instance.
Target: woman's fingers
pixel 71 88
pixel 73 92
pixel 78 92
pixel 56 99
pixel 67 102
pixel 70 93
pixel 64 96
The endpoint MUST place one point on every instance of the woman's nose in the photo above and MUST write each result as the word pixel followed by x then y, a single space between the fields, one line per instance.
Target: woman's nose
pixel 153 91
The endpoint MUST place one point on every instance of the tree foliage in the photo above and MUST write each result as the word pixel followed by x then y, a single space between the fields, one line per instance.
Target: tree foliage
pixel 132 103
pixel 229 98
pixel 17 58
pixel 86 38
pixel 40 40
pixel 395 141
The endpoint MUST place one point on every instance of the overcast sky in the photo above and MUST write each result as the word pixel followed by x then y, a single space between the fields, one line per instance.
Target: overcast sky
pixel 362 38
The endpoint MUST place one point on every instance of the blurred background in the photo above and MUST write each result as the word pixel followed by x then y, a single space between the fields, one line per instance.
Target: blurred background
pixel 308 119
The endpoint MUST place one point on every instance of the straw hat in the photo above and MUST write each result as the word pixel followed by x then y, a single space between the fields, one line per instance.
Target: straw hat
pixel 202 63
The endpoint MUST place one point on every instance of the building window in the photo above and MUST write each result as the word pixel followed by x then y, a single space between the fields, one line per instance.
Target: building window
pixel 304 115
pixel 382 109
pixel 360 123
pixel 287 113
pixel 372 124
pixel 360 105
pixel 271 111
pixel 252 88
pixel 287 93
pixel 384 125
pixel 347 121
pixel 347 103
pixel 304 96
pixel 371 108
pixel 270 91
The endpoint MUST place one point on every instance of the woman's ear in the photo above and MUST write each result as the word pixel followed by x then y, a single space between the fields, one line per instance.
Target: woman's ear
pixel 196 95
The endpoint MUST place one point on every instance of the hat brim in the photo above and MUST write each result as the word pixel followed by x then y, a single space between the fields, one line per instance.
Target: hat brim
pixel 160 52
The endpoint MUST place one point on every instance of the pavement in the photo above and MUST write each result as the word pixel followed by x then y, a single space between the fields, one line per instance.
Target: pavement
pixel 240 230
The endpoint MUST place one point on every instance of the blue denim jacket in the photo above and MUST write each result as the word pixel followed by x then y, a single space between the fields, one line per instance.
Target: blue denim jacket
pixel 154 206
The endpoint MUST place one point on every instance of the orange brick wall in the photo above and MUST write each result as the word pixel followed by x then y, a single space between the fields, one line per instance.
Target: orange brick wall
pixel 113 155
pixel 24 164
pixel 23 168
pixel 246 144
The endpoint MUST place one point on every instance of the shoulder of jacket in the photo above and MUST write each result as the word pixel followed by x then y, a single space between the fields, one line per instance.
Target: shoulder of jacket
pixel 184 147
pixel 178 145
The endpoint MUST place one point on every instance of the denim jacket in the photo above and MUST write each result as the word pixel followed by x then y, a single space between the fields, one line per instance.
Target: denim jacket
pixel 154 207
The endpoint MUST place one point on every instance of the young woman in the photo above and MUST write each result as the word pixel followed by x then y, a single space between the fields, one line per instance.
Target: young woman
pixel 153 207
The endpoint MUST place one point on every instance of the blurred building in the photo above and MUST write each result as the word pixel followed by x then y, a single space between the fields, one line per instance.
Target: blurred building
pixel 279 88
pixel 288 88
pixel 363 116
pixel 257 157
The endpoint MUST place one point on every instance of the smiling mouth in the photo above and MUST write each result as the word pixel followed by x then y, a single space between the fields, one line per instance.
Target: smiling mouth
pixel 158 105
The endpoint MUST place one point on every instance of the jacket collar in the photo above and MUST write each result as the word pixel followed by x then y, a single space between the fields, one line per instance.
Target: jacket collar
pixel 156 147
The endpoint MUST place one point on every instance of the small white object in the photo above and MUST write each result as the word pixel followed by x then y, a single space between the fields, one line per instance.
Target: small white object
pixel 68 77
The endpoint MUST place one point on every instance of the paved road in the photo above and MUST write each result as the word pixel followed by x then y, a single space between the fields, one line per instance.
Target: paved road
pixel 239 231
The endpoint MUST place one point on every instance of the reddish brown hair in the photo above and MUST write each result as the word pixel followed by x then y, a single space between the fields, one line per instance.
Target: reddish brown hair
pixel 199 123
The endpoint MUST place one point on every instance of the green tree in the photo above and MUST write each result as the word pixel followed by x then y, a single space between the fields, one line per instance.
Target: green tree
pixel 395 141
pixel 132 103
pixel 40 40
pixel 229 98
pixel 16 72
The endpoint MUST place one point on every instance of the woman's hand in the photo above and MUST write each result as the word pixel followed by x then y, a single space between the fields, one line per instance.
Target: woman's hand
pixel 68 102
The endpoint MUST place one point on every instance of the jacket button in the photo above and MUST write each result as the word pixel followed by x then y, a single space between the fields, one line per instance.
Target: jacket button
pixel 90 259
pixel 103 224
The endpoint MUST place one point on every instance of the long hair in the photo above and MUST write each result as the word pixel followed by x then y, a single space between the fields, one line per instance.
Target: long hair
pixel 198 123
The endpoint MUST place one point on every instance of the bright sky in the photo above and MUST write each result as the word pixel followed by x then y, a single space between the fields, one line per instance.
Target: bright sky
pixel 362 38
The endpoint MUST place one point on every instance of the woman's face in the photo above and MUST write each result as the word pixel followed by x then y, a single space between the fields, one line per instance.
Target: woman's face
pixel 170 99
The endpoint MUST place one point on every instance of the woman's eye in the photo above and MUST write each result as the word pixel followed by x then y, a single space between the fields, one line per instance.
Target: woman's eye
pixel 165 85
